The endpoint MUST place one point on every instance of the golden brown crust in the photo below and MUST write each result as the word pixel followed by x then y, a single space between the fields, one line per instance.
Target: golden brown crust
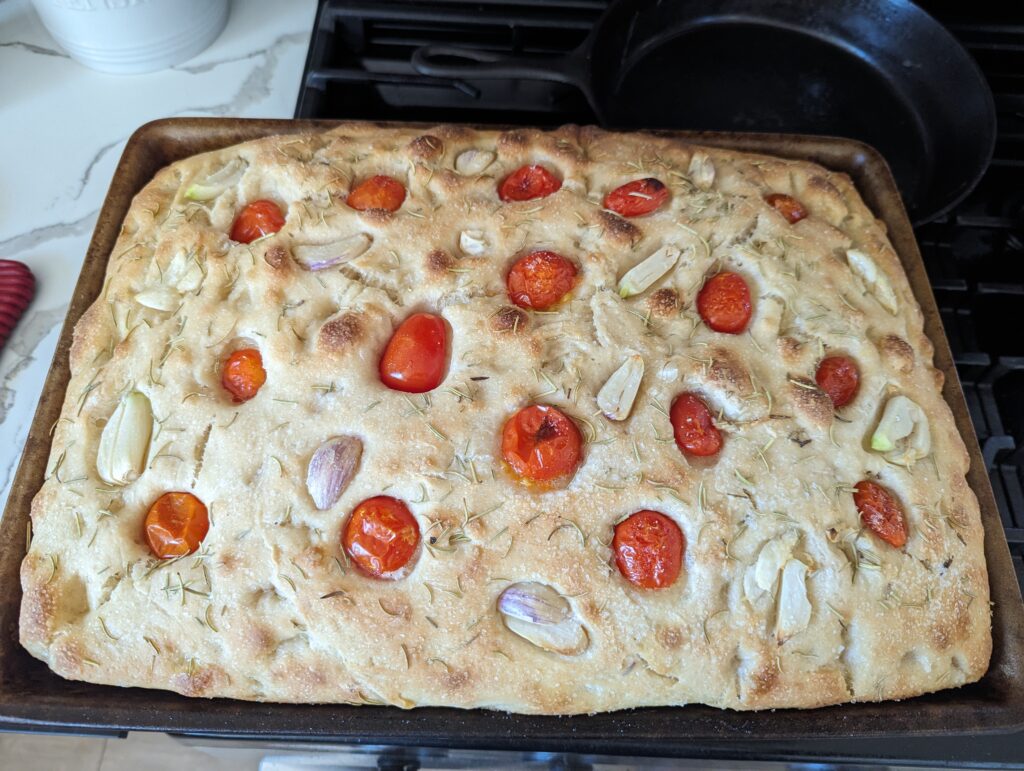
pixel 268 609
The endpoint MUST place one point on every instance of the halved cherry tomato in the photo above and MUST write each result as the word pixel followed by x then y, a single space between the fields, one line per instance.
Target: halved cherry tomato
pixel 415 357
pixel 175 525
pixel 243 374
pixel 693 426
pixel 648 549
pixel 642 196
pixel 839 377
pixel 379 192
pixel 724 303
pixel 787 206
pixel 527 183
pixel 381 536
pixel 540 279
pixel 880 512
pixel 258 219
pixel 541 444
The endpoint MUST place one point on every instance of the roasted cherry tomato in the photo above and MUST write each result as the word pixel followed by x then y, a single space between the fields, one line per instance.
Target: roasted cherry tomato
pixel 636 198
pixel 787 206
pixel 527 183
pixel 258 219
pixel 693 426
pixel 839 377
pixel 175 525
pixel 648 549
pixel 540 279
pixel 380 192
pixel 243 374
pixel 541 444
pixel 416 356
pixel 381 536
pixel 724 303
pixel 880 512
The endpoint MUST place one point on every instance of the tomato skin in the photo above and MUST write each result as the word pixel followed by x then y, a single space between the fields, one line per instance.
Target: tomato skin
pixel 787 206
pixel 839 377
pixel 634 199
pixel 540 280
pixel 176 525
pixel 724 303
pixel 648 548
pixel 379 192
pixel 416 356
pixel 243 374
pixel 880 512
pixel 693 426
pixel 541 444
pixel 380 536
pixel 527 183
pixel 258 219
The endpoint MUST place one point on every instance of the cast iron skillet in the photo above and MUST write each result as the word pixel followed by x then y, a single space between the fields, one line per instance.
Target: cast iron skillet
pixel 881 71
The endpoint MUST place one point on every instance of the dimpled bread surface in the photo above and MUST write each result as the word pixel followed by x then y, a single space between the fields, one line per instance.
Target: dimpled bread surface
pixel 270 609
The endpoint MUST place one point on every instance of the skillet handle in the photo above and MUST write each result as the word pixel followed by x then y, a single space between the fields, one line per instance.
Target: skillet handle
pixel 437 61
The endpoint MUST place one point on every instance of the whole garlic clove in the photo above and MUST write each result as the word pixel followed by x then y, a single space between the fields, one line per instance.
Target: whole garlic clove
pixel 471 162
pixel 794 607
pixel 902 434
pixel 702 170
pixel 874 279
pixel 315 257
pixel 218 182
pixel 617 395
pixel 331 469
pixel 473 242
pixel 641 276
pixel 543 617
pixel 124 443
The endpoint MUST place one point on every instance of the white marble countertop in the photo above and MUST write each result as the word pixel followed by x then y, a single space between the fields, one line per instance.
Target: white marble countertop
pixel 62 129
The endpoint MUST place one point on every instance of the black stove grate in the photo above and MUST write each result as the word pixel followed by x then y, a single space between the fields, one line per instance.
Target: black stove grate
pixel 359 67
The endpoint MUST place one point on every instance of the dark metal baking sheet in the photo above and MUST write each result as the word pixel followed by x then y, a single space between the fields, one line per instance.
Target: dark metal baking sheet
pixel 33 697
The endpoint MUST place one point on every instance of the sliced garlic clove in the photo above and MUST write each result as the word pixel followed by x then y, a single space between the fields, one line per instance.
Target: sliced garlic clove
pixel 218 182
pixel 617 395
pixel 159 298
pixel 702 170
pixel 794 607
pixel 331 469
pixel 191 278
pixel 902 434
pixel 124 443
pixel 542 616
pixel 319 256
pixel 472 162
pixel 473 242
pixel 772 558
pixel 641 276
pixel 875 280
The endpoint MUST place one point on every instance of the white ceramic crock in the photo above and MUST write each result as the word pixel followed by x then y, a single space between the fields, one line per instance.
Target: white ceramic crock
pixel 133 36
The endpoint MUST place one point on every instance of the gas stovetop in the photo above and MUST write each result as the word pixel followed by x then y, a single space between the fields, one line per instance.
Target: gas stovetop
pixel 359 68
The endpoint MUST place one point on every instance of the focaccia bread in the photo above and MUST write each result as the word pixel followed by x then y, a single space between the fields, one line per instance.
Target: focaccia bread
pixel 784 597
